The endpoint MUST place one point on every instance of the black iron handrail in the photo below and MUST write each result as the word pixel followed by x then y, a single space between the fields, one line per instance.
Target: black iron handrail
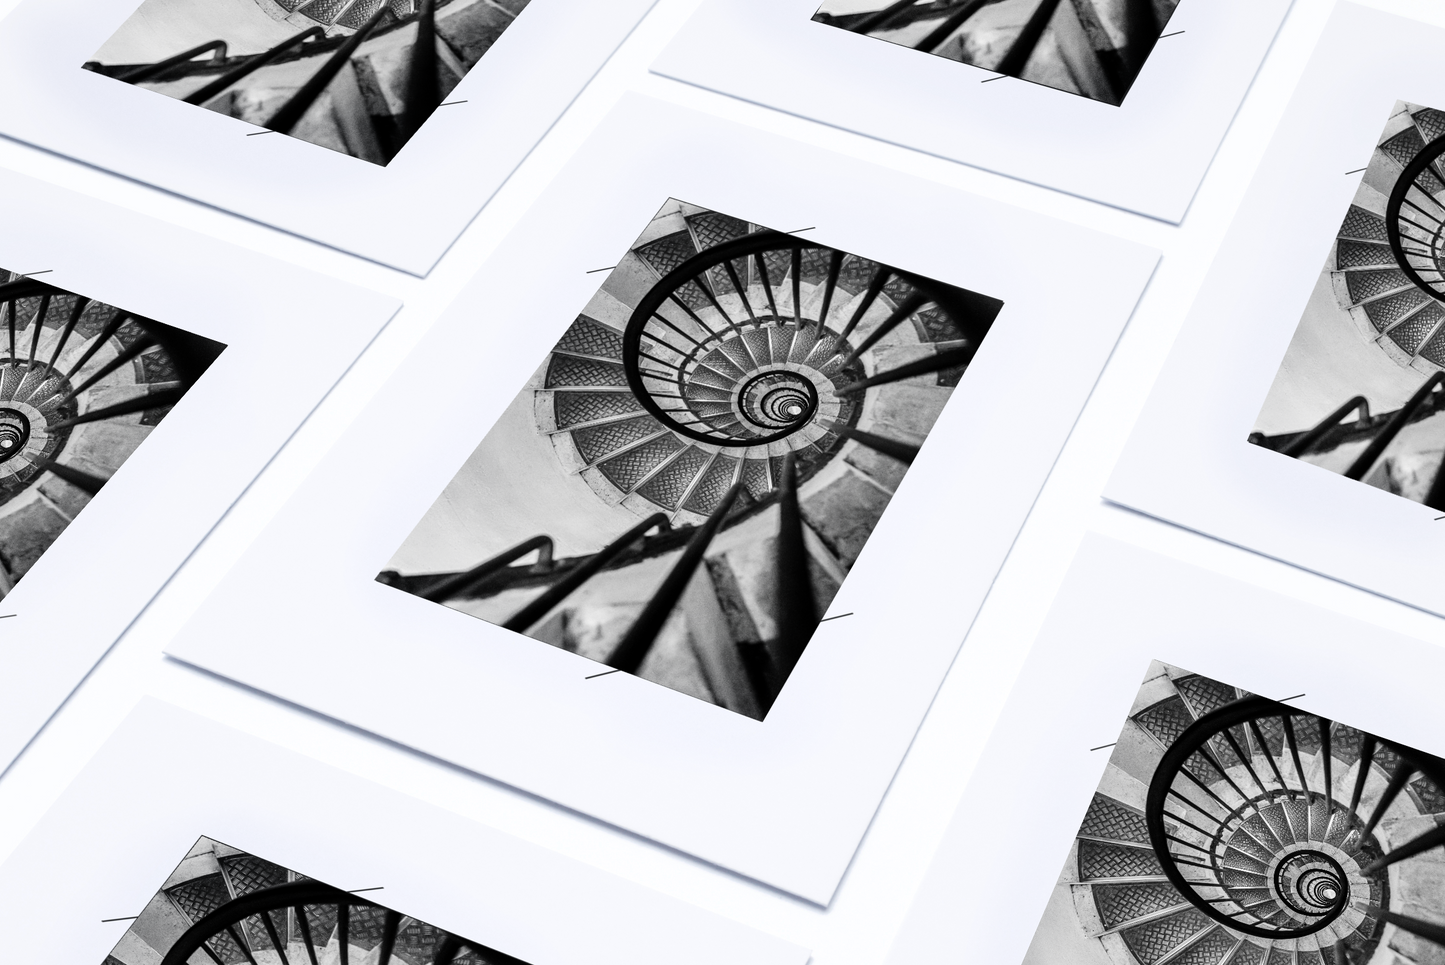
pixel 1197 763
pixel 252 64
pixel 1309 438
pixel 460 583
pixel 153 71
pixel 1425 217
pixel 656 378
pixel 300 102
pixel 294 897
pixel 1398 421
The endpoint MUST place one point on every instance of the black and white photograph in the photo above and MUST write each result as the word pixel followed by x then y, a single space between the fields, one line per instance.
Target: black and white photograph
pixel 688 476
pixel 222 906
pixel 82 384
pixel 1093 48
pixel 1359 391
pixel 1231 829
pixel 356 76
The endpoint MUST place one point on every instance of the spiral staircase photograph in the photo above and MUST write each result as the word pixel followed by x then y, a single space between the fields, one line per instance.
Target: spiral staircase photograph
pixel 356 76
pixel 222 906
pixel 695 467
pixel 1383 420
pixel 82 384
pixel 1230 829
pixel 1094 48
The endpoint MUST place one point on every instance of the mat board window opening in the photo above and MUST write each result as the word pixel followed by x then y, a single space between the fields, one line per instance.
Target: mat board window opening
pixel 1094 48
pixel 1230 829
pixel 691 472
pixel 356 76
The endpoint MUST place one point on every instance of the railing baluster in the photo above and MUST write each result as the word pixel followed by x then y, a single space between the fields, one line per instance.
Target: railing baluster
pixel 881 274
pixel 1367 757
pixel 1268 755
pixel 305 925
pixel 956 20
pixel 343 932
pixel 276 941
pixel 1392 428
pixel 10 320
pixel 835 265
pixel 423 85
pixel 255 63
pixel 297 105
pixel 1248 764
pixel 447 950
pixel 150 71
pixel 461 582
pixel 762 266
pixel 1430 839
pixel 795 610
pixel 389 927
pixel 1415 926
pixel 932 363
pixel 241 944
pixel 798 288
pixel 136 348
pixel 911 304
pixel 1303 443
pixel 97 343
pixel 1018 55
pixel 138 404
pixel 214 957
pixel 1403 770
pixel 1294 755
pixel 635 645
pixel 902 451
pixel 37 326
pixel 78 309
pixel 83 481
pixel 1329 776
pixel 881 17
pixel 565 587
pixel 742 291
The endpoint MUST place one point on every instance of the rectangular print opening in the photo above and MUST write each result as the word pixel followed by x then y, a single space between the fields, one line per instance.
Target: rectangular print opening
pixel 1231 829
pixel 1359 390
pixel 82 386
pixel 700 459
pixel 222 906
pixel 355 76
pixel 1094 48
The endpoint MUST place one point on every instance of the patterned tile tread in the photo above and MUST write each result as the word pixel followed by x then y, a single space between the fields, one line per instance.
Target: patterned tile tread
pixel 564 371
pixel 572 408
pixel 1107 818
pixel 709 492
pixel 667 252
pixel 671 482
pixel 1360 223
pixel 628 469
pixel 1368 284
pixel 1120 903
pixel 587 336
pixel 1388 311
pixel 1355 254
pixel 1151 942
pixel 1098 860
pixel 598 442
pixel 1209 950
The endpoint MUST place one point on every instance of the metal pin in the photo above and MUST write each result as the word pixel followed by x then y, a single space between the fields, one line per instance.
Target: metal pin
pixel 602 674
pixel 596 270
pixel 992 79
pixel 1174 34
pixel 1101 747
pixel 32 274
pixel 838 617
pixel 254 133
pixel 1355 171
pixel 357 891
pixel 126 918
pixel 450 103
pixel 1295 697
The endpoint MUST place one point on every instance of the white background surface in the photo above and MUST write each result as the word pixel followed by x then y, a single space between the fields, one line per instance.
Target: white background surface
pixel 1146 155
pixel 863 920
pixel 783 801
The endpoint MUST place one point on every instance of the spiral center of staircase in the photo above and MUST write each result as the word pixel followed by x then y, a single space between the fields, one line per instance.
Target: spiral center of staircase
pixel 1311 883
pixel 14 432
pixel 778 400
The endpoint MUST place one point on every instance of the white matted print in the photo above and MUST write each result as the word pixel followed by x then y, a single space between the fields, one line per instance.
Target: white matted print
pixel 403 116
pixel 699 461
pixel 784 800
pixel 1284 371
pixel 1201 832
pixel 1126 100
pixel 371 870
pixel 141 394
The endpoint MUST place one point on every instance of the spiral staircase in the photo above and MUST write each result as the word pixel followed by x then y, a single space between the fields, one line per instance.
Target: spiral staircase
pixel 753 400
pixel 1091 47
pixel 226 907
pixel 1234 830
pixel 1387 271
pixel 358 76
pixel 81 386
